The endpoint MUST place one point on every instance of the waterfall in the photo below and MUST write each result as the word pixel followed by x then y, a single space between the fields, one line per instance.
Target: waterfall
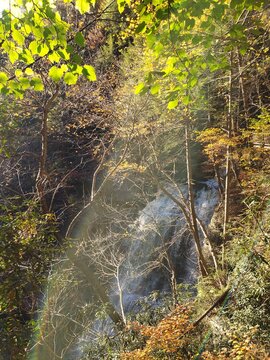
pixel 159 240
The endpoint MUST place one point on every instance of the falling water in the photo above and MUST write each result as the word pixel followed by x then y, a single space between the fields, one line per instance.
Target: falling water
pixel 159 233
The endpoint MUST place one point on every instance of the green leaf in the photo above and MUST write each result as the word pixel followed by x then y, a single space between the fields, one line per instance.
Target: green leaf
pixel 3 78
pixel 54 57
pixel 182 54
pixel 192 82
pixel 186 100
pixel 27 57
pixel 64 54
pixel 139 88
pixel 70 49
pixel 47 34
pixel 205 24
pixel 243 49
pixel 53 30
pixel 29 72
pixel 174 36
pixel 196 39
pixel 218 11
pixel 79 39
pixel 158 48
pixel 204 66
pixel 64 68
pixel 43 50
pixel 25 83
pixel 18 37
pixel 18 72
pixel 83 6
pixel 76 59
pixel 33 47
pixel 13 85
pixel 121 5
pixel 50 13
pixel 4 90
pixel 76 69
pixel 162 14
pixel 172 104
pixel 18 93
pixel 235 3
pixel 70 79
pixel 27 29
pixel 56 73
pixel 199 8
pixel 155 89
pixel 140 27
pixel 37 84
pixel 13 56
pixel 89 72
pixel 151 40
pixel 38 32
pixel 237 31
pixel 190 23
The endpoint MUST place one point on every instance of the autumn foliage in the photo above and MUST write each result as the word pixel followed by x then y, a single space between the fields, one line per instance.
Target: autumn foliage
pixel 241 348
pixel 164 339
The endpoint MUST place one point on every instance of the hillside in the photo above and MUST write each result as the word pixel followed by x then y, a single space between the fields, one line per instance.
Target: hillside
pixel 134 201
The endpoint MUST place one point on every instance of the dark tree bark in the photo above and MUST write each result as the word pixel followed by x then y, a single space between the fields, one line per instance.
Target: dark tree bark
pixel 191 203
pixel 42 176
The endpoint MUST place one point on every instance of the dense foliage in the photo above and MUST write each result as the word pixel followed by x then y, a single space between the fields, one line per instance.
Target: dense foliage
pixel 136 95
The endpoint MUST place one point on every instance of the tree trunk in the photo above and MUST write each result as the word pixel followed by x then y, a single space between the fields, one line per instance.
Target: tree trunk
pixel 41 179
pixel 228 165
pixel 121 303
pixel 42 171
pixel 242 87
pixel 218 177
pixel 191 203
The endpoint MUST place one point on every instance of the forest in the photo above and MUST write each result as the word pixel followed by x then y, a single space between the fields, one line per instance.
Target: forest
pixel 135 179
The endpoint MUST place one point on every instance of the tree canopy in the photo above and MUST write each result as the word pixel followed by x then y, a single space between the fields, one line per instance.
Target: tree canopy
pixel 105 106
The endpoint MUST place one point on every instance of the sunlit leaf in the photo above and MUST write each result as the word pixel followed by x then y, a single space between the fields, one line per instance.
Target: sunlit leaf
pixel 172 104
pixel 56 73
pixel 54 57
pixel 139 88
pixel 13 56
pixel 89 72
pixel 155 89
pixel 18 72
pixel 83 6
pixel 70 79
pixel 43 50
pixel 18 37
pixel 33 47
pixel 3 77
pixel 29 71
